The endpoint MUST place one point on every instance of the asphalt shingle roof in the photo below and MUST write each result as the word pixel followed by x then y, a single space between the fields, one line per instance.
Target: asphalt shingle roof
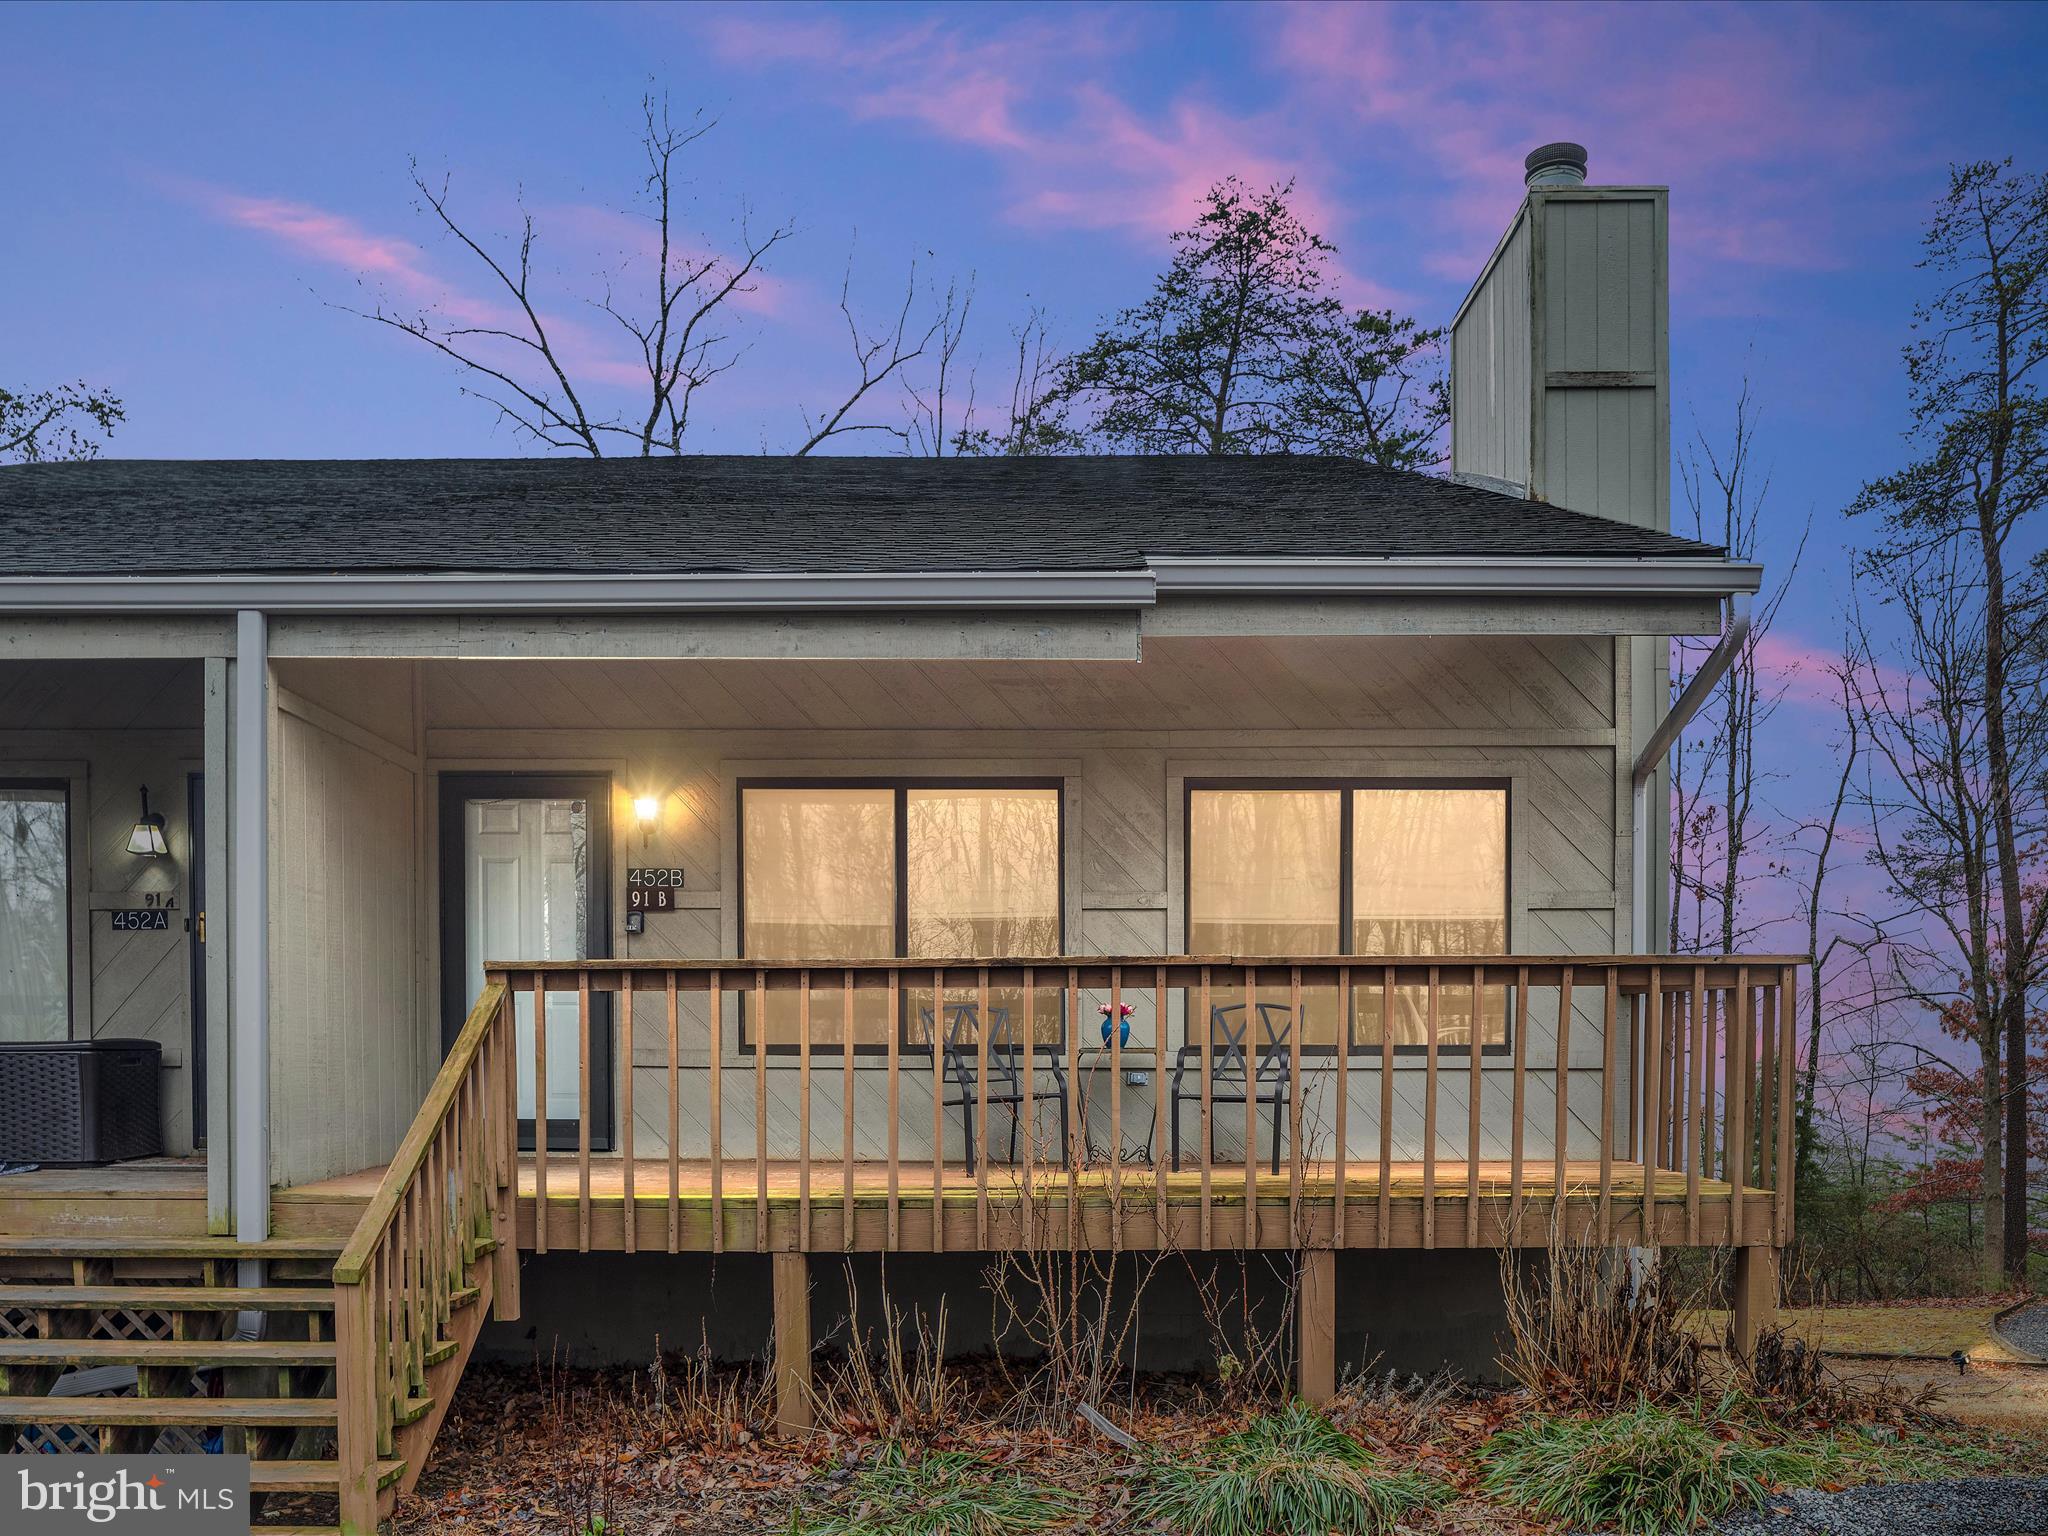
pixel 718 514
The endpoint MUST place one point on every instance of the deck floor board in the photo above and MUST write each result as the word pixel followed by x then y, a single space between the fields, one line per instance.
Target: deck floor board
pixel 871 1181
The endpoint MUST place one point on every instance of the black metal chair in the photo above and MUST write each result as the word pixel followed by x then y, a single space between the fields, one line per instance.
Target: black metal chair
pixel 1228 1080
pixel 960 1061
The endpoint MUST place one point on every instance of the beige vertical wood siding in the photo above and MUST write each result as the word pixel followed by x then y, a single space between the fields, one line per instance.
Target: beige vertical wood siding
pixel 1491 351
pixel 1604 312
pixel 345 1032
pixel 1538 713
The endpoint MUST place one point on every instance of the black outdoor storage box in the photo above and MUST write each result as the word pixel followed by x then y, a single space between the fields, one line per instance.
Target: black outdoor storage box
pixel 80 1101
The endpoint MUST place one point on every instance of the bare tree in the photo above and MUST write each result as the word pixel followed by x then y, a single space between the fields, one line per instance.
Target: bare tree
pixel 516 362
pixel 1716 820
pixel 1036 422
pixel 880 355
pixel 1933 816
pixel 1980 432
pixel 1855 936
pixel 926 431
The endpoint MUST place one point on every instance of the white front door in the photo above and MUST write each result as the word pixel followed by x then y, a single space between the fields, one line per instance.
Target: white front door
pixel 528 868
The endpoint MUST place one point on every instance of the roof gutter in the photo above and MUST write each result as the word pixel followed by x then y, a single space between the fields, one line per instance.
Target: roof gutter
pixel 543 592
pixel 1734 634
pixel 556 592
pixel 1538 576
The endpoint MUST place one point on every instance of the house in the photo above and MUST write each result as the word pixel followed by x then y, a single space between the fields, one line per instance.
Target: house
pixel 537 836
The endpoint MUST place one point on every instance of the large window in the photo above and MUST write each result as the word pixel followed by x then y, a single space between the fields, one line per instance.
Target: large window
pixel 1317 869
pixel 873 871
pixel 35 912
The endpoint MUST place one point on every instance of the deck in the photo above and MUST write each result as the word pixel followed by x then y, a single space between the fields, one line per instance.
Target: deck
pixel 1684 1072
pixel 165 1199
pixel 1441 1206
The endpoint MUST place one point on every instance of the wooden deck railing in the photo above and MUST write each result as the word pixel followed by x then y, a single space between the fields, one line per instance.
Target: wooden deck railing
pixel 1666 1074
pixel 430 1252
pixel 1681 1123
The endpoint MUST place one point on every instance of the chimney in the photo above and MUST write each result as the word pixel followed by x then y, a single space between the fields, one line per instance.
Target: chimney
pixel 1560 354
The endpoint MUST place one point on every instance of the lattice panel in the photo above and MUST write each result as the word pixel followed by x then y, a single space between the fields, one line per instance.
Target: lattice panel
pixel 110 1323
pixel 122 1323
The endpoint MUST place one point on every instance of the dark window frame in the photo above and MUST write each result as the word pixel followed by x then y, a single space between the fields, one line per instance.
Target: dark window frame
pixel 71 888
pixel 901 786
pixel 1343 785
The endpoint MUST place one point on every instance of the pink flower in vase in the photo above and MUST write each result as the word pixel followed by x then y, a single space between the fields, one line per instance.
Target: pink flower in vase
pixel 1124 1012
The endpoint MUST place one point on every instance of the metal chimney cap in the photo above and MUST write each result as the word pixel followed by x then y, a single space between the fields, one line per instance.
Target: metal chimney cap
pixel 1555 165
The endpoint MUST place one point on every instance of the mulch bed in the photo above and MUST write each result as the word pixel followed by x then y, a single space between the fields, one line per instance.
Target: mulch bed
pixel 546 1450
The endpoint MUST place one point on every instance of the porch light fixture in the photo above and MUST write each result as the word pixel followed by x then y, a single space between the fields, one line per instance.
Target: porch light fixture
pixel 147 840
pixel 647 811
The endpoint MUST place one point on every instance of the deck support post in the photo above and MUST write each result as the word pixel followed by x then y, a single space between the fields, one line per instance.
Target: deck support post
pixel 792 1342
pixel 1756 1295
pixel 1315 1321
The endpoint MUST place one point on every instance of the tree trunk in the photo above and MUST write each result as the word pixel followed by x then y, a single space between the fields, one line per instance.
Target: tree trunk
pixel 1991 1121
pixel 2012 906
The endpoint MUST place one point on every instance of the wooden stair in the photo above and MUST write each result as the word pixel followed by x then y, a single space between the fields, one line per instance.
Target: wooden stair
pixel 121 1344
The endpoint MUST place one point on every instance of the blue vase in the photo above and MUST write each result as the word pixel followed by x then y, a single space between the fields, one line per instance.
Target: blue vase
pixel 1125 1032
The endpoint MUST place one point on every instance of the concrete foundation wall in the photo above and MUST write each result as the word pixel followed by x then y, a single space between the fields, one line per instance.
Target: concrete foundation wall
pixel 1409 1312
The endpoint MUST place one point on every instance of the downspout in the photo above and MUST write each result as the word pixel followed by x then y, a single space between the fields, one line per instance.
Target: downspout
pixel 250 941
pixel 1734 634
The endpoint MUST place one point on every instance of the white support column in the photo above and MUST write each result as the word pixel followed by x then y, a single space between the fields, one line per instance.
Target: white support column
pixel 219 1035
pixel 250 905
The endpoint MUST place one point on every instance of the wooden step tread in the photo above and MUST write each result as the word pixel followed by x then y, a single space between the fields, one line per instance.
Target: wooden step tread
pixel 170 1298
pixel 168 1248
pixel 311 1476
pixel 301 1411
pixel 193 1352
pixel 412 1410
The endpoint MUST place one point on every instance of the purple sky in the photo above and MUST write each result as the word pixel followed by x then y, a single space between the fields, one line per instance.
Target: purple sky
pixel 191 188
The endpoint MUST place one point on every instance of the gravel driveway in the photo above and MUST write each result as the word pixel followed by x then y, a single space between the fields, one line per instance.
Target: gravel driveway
pixel 2027 1329
pixel 1978 1506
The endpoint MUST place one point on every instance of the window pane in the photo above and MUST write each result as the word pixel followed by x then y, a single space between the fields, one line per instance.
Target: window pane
pixel 820 884
pixel 1430 877
pixel 527 873
pixel 35 925
pixel 1263 879
pixel 984 881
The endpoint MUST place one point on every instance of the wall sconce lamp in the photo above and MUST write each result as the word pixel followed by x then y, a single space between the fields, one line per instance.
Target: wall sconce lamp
pixel 647 811
pixel 147 840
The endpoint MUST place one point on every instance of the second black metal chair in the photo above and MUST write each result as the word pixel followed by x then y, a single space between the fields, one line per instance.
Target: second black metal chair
pixel 1229 1082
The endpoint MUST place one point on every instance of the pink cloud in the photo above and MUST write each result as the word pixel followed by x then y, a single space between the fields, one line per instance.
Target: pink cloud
pixel 1803 672
pixel 1736 113
pixel 325 236
pixel 400 267
pixel 1074 153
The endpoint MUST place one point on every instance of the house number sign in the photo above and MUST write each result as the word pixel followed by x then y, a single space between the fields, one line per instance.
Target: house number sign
pixel 136 911
pixel 652 890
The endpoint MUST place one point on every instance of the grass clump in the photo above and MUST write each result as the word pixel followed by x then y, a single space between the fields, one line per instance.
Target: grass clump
pixel 940 1493
pixel 1643 1472
pixel 1875 1453
pixel 1290 1471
